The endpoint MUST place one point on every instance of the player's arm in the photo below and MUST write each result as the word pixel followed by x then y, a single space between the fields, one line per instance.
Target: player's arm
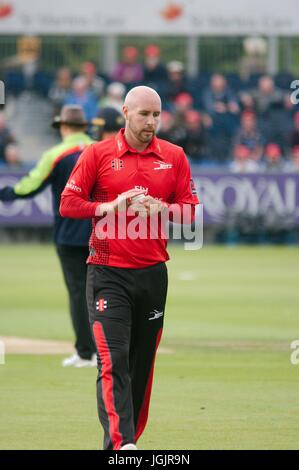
pixel 33 183
pixel 75 199
pixel 182 208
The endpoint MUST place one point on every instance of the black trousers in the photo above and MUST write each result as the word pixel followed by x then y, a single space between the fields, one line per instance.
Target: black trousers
pixel 126 311
pixel 74 267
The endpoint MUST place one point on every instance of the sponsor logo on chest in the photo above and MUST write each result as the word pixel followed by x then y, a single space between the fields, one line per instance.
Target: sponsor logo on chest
pixel 162 166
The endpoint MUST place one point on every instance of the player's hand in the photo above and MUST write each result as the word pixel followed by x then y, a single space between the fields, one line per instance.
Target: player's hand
pixel 153 206
pixel 137 208
pixel 120 204
pixel 128 196
pixel 7 194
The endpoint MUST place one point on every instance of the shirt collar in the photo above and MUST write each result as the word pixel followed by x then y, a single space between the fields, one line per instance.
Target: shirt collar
pixel 123 147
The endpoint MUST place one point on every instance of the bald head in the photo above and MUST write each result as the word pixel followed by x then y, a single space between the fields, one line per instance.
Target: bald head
pixel 140 95
pixel 142 110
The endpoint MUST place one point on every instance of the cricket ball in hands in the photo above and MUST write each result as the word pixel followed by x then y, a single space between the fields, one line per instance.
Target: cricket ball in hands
pixel 138 198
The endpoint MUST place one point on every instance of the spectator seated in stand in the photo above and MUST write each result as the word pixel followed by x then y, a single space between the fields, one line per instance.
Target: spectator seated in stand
pixel 60 89
pixel 128 71
pixel 266 117
pixel 29 49
pixel 294 137
pixel 170 131
pixel 273 160
pixel 222 106
pixel 12 156
pixel 82 96
pixel 154 71
pixel 6 138
pixel 249 135
pixel 293 164
pixel 242 162
pixel 95 83
pixel 114 98
pixel 183 102
pixel 218 98
pixel 264 98
pixel 176 81
pixel 272 107
pixel 196 141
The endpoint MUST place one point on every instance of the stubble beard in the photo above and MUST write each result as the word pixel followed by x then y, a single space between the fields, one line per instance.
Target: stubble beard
pixel 141 136
pixel 146 138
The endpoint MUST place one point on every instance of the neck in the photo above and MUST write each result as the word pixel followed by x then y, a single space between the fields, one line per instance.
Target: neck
pixel 133 142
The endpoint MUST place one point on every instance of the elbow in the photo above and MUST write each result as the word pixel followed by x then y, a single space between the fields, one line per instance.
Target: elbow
pixel 63 210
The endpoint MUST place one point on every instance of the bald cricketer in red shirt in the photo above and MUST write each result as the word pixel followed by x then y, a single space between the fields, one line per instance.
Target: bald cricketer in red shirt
pixel 123 183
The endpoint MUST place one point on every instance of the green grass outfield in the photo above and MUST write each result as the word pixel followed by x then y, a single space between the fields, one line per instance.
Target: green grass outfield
pixel 228 383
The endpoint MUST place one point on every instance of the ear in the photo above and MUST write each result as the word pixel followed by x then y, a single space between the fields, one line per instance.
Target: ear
pixel 62 130
pixel 125 111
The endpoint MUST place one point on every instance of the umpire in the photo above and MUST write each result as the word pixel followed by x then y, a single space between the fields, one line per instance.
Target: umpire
pixel 70 236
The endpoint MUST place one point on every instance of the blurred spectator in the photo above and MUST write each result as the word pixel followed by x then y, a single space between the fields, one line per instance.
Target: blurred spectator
pixel 183 102
pixel 82 96
pixel 166 125
pixel 128 71
pixel 6 137
pixel 273 160
pixel 95 83
pixel 218 98
pixel 12 156
pixel 242 162
pixel 254 60
pixel 176 80
pixel 293 165
pixel 114 97
pixel 195 144
pixel 170 131
pixel 222 106
pixel 249 135
pixel 29 48
pixel 60 89
pixel 154 71
pixel 270 104
pixel 294 138
pixel 266 97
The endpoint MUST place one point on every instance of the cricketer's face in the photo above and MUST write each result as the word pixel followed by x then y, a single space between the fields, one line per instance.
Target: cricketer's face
pixel 143 118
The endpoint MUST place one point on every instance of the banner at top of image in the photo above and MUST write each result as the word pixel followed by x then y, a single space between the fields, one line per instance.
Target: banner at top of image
pixel 163 17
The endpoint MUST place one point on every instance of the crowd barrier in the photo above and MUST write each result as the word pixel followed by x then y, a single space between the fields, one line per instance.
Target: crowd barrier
pixel 221 194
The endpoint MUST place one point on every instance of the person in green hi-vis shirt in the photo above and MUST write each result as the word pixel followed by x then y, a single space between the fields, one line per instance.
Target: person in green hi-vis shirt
pixel 70 236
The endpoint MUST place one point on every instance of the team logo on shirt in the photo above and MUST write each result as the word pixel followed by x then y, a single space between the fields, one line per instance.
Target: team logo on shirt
pixel 117 164
pixel 162 166
pixel 101 305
